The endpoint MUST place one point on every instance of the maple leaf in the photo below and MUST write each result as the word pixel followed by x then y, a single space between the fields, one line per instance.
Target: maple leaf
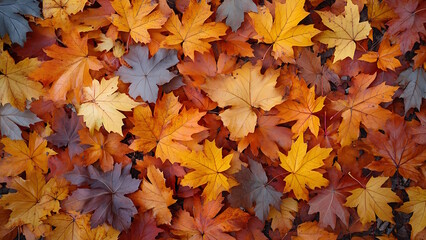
pixel 146 73
pixel 315 74
pixel 385 57
pixel 329 201
pixel 105 195
pixel 13 23
pixel 100 105
pixel 409 25
pixel 60 10
pixel 254 188
pixel 346 31
pixel 417 206
pixel 69 226
pixel 209 168
pixel 34 199
pixel 420 58
pixel 233 11
pixel 283 219
pixel 414 83
pixel 267 137
pixel 69 67
pixel 284 33
pixel 143 227
pixel 15 86
pixel 166 129
pixel 206 223
pixel 398 151
pixel 155 195
pixel 379 12
pixel 192 32
pixel 66 129
pixel 108 150
pixel 244 91
pixel 137 18
pixel 362 105
pixel 301 165
pixel 252 231
pixel 372 200
pixel 419 132
pixel 301 108
pixel 23 157
pixel 311 230
pixel 11 117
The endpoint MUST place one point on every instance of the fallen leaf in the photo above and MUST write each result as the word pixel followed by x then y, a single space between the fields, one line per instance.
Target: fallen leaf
pixel 147 73
pixel 372 200
pixel 11 117
pixel 414 84
pixel 137 18
pixel 100 105
pixel 301 163
pixel 34 199
pixel 155 195
pixel 284 32
pixel 233 11
pixel 245 91
pixel 417 206
pixel 166 129
pixel 361 105
pixel 209 167
pixel 15 85
pixel 192 32
pixel 25 158
pixel 346 30
pixel 105 195
pixel 254 188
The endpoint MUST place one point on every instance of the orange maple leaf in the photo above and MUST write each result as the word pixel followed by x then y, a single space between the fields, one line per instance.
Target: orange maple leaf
pixel 362 105
pixel 108 150
pixel 192 32
pixel 69 68
pixel 155 195
pixel 23 157
pixel 166 130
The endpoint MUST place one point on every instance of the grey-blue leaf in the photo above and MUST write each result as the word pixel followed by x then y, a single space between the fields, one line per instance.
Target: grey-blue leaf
pixel 147 73
pixel 12 20
pixel 11 117
pixel 414 83
pixel 233 11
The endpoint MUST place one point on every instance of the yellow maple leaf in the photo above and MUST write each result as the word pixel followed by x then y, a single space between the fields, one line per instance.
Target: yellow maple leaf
pixel 209 168
pixel 373 200
pixel 100 105
pixel 417 206
pixel 385 57
pixel 60 10
pixel 301 165
pixel 301 109
pixel 69 226
pixel 283 219
pixel 25 158
pixel 166 130
pixel 34 199
pixel 362 105
pixel 244 91
pixel 69 67
pixel 346 31
pixel 137 18
pixel 379 12
pixel 284 33
pixel 192 32
pixel 155 195
pixel 15 87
